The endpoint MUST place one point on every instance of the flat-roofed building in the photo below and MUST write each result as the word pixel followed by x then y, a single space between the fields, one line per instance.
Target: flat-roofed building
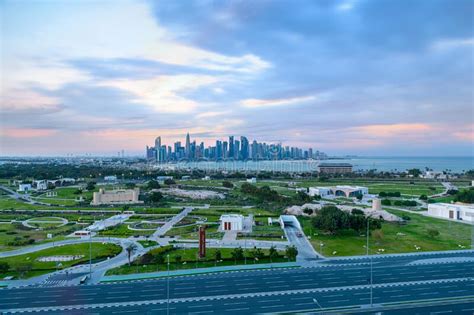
pixel 118 196
pixel 232 222
pixel 335 168
pixel 319 191
pixel 338 191
pixel 452 211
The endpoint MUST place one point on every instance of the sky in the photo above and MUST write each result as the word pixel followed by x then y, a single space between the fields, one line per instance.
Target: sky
pixel 357 77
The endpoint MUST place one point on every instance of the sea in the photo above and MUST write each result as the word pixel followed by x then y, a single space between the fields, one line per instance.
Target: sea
pixel 396 164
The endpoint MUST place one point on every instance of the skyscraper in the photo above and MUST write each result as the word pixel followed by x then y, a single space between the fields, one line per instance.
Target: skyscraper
pixel 244 151
pixel 231 147
pixel 188 146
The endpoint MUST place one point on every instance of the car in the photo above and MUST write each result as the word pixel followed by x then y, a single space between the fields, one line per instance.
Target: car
pixel 299 234
pixel 83 279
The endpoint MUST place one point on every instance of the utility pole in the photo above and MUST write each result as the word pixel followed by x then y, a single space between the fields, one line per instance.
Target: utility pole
pixel 90 255
pixel 168 287
pixel 370 256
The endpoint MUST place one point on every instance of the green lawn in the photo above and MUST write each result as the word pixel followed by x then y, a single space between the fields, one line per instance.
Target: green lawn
pixel 189 261
pixel 13 236
pixel 345 243
pixel 27 265
pixel 122 230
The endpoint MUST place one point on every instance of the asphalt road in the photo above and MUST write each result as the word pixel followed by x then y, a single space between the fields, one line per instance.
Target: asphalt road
pixel 298 302
pixel 335 285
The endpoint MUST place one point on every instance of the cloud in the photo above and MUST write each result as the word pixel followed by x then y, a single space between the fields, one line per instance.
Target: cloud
pixel 256 103
pixel 393 130
pixel 26 132
pixel 449 44
pixel 162 93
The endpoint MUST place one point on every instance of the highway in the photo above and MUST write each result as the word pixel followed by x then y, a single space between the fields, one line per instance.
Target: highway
pixel 339 284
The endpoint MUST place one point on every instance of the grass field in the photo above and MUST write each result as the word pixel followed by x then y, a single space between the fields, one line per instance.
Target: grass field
pixel 13 236
pixel 189 261
pixel 415 232
pixel 122 230
pixel 32 267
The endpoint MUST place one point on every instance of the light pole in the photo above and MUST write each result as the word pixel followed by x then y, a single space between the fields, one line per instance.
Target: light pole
pixel 168 286
pixel 368 254
pixel 90 254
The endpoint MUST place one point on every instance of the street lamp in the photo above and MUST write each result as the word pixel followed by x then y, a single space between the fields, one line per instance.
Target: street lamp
pixel 368 254
pixel 168 286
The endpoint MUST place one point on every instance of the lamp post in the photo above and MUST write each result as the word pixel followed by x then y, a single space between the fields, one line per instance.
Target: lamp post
pixel 90 254
pixel 168 286
pixel 368 254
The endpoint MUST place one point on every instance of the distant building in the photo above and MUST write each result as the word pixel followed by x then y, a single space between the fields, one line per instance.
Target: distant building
pixel 338 191
pixel 40 184
pixel 206 178
pixel 120 196
pixel 319 191
pixel 232 222
pixel 335 168
pixel 252 180
pixel 24 187
pixel 462 212
pixel 111 178
pixel 376 204
pixel 185 177
pixel 161 179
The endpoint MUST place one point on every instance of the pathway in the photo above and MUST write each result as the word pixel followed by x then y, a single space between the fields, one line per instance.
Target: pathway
pixel 168 225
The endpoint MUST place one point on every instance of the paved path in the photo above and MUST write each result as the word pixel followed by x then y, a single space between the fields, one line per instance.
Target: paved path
pixel 306 252
pixel 168 225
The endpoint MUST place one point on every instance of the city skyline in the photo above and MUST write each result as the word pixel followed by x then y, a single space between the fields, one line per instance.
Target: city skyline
pixel 348 77
pixel 233 149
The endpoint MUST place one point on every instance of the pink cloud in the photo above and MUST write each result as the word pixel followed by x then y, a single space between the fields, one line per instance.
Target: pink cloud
pixel 27 132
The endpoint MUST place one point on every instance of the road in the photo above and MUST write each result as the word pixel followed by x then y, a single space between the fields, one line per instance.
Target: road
pixel 168 225
pixel 306 253
pixel 338 283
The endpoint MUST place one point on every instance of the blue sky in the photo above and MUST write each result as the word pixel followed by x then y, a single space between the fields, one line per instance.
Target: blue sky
pixel 346 77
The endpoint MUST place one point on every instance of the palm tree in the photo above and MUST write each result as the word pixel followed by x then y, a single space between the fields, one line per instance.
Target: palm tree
pixel 130 249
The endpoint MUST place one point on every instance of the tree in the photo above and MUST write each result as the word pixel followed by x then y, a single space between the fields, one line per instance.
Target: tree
pixel 330 218
pixel 237 253
pixel 257 253
pixel 153 184
pixel 433 233
pixel 423 197
pixel 465 195
pixel 227 184
pixel 415 172
pixel 273 253
pixel 291 252
pixel 155 196
pixel 169 181
pixel 130 249
pixel 4 266
pixel 130 185
pixel 90 186
pixel 356 211
pixel 177 259
pixel 217 255
pixel 386 202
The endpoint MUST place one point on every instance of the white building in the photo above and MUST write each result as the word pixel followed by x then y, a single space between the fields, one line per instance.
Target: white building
pixel 232 222
pixel 376 204
pixel 319 191
pixel 339 191
pixel 40 184
pixel 119 196
pixel 453 211
pixel 111 178
pixel 24 187
pixel 252 180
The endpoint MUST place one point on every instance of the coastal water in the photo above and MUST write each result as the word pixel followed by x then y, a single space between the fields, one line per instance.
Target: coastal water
pixel 452 164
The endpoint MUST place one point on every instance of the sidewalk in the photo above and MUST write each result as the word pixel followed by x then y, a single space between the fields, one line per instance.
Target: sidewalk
pixel 186 272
